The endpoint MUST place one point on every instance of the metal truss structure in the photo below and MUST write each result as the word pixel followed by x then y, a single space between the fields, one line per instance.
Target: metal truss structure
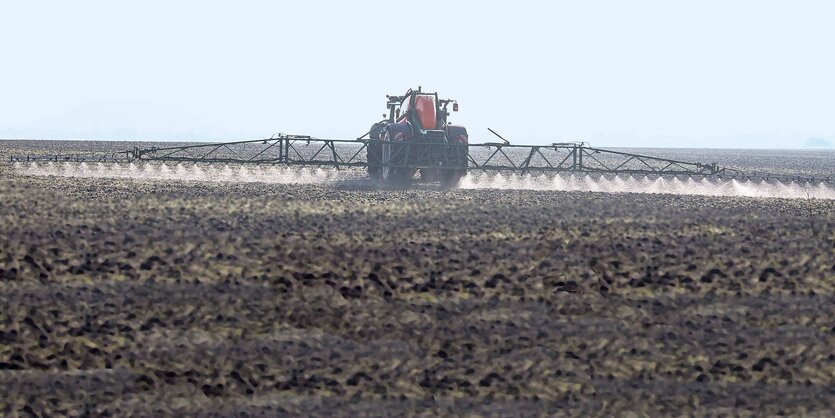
pixel 297 150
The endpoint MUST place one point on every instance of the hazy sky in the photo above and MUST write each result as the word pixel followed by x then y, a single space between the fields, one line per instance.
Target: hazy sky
pixel 752 74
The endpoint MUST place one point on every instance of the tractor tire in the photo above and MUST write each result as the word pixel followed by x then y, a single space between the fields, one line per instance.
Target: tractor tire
pixel 457 156
pixel 451 178
pixel 373 152
pixel 391 154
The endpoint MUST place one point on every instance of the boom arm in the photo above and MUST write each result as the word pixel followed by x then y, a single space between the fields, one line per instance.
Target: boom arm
pixel 298 150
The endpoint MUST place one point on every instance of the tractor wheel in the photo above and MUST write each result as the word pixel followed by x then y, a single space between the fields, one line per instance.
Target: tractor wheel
pixel 451 178
pixel 391 155
pixel 457 156
pixel 373 151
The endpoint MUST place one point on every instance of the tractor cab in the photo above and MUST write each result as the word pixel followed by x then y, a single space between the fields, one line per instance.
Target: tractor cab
pixel 424 111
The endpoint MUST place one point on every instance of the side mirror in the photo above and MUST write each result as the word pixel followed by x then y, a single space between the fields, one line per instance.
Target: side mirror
pixel 455 107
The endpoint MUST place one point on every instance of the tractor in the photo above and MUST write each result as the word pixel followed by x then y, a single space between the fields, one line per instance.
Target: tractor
pixel 416 136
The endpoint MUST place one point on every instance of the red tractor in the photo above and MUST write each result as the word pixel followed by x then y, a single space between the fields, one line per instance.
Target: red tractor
pixel 416 136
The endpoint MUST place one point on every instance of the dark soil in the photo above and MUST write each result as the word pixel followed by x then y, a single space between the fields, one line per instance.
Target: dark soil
pixel 201 299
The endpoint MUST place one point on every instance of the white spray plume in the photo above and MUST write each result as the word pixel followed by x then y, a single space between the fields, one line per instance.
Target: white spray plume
pixel 643 184
pixel 287 175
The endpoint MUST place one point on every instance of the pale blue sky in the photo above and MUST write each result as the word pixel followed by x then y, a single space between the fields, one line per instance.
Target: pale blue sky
pixel 754 74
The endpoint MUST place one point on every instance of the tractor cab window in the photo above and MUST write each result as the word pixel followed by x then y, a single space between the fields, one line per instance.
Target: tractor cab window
pixel 406 105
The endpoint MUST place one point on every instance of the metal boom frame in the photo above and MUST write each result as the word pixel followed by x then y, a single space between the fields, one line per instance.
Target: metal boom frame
pixel 297 150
